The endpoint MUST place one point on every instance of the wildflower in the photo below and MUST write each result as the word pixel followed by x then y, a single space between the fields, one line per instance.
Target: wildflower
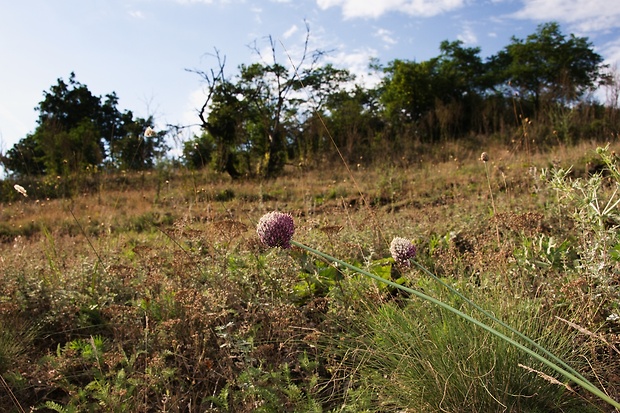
pixel 484 157
pixel 276 229
pixel 149 132
pixel 21 190
pixel 402 250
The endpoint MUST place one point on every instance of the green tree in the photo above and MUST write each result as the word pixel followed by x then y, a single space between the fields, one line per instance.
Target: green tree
pixel 461 81
pixel 265 88
pixel 69 149
pixel 320 85
pixel 408 89
pixel 198 151
pixel 25 157
pixel 441 87
pixel 549 65
pixel 354 123
pixel 224 123
pixel 76 129
pixel 321 89
pixel 135 149
pixel 254 119
pixel 460 72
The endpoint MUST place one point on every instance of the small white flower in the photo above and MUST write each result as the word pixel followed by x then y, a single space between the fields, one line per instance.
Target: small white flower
pixel 613 317
pixel 149 132
pixel 21 190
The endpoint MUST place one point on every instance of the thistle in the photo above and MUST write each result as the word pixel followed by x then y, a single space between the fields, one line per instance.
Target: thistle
pixel 402 251
pixel 276 229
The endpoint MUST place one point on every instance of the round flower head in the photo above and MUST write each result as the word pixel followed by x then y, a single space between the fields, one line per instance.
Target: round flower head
pixel 402 250
pixel 484 157
pixel 276 229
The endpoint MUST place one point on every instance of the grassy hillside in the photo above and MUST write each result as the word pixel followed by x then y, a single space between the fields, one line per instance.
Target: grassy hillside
pixel 152 292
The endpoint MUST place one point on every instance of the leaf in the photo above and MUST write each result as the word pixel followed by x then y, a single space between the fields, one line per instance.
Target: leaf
pixel 615 252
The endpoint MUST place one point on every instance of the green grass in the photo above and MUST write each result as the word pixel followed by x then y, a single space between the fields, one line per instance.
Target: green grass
pixel 425 359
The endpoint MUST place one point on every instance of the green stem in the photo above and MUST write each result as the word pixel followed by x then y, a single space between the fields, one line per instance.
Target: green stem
pixel 585 384
pixel 492 317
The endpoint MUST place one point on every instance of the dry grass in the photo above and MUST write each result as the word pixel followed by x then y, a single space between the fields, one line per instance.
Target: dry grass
pixel 168 271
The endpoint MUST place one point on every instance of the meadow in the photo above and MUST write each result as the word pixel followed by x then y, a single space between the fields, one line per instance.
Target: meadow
pixel 151 292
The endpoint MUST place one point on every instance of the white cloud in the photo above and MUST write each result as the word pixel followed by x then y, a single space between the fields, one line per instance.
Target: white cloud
pixel 467 36
pixel 386 36
pixel 376 8
pixel 290 31
pixel 136 14
pixel 584 15
pixel 257 12
pixel 188 115
pixel 357 63
pixel 612 51
pixel 195 1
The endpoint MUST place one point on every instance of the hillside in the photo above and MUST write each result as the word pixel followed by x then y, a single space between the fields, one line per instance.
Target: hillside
pixel 152 292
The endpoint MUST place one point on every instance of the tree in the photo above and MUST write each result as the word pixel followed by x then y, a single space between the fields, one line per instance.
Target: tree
pixel 408 89
pixel 353 121
pixel 411 89
pixel 199 151
pixel 76 129
pixel 69 149
pixel 265 88
pixel 460 71
pixel 25 157
pixel 254 117
pixel 137 150
pixel 224 124
pixel 549 65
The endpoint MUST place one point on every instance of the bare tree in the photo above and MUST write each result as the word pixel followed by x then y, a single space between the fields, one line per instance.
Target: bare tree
pixel 250 117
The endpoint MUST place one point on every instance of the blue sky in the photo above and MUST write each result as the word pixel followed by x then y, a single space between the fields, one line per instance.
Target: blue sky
pixel 141 48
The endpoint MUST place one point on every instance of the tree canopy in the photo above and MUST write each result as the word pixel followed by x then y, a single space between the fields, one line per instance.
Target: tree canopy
pixel 549 65
pixel 455 94
pixel 269 114
pixel 76 129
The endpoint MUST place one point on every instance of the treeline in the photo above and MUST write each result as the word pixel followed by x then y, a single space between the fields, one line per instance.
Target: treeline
pixel 268 114
pixel 77 130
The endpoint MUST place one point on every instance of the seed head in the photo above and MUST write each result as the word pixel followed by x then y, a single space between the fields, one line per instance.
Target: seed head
pixel 484 157
pixel 402 250
pixel 149 132
pixel 21 190
pixel 276 229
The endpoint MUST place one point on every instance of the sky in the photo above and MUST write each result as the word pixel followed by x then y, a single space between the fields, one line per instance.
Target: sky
pixel 142 49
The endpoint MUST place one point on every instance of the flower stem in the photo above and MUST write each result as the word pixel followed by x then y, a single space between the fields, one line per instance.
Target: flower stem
pixel 492 317
pixel 486 169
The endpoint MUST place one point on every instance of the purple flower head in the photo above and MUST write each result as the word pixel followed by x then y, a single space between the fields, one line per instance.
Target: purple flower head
pixel 402 250
pixel 276 229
